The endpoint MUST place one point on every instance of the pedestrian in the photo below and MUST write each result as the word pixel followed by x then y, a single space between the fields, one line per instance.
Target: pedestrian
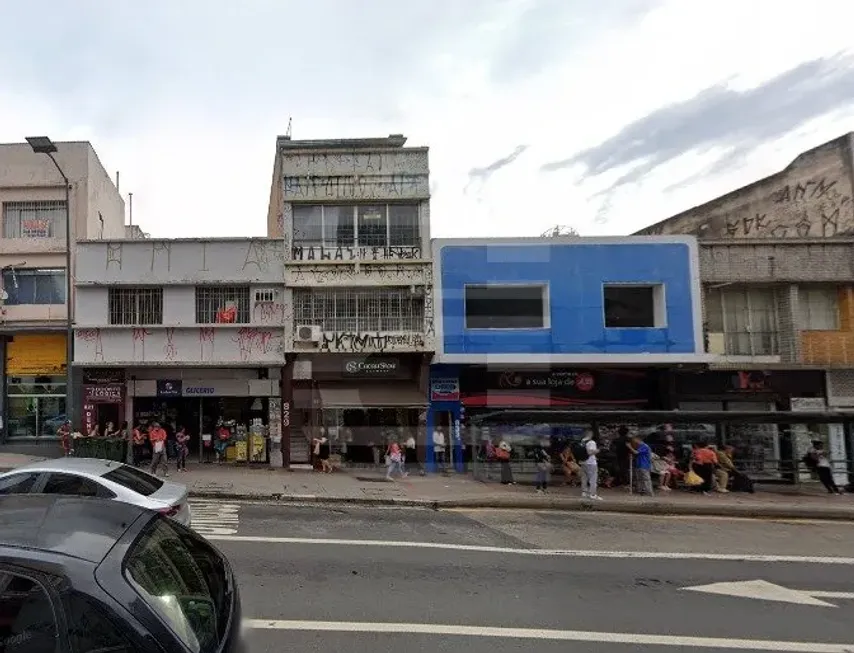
pixel 503 453
pixel 64 433
pixel 703 462
pixel 643 465
pixel 439 444
pixel 543 460
pixel 587 457
pixel 571 468
pixel 157 436
pixel 182 439
pixel 138 445
pixel 323 452
pixel 411 454
pixel 394 460
pixel 819 462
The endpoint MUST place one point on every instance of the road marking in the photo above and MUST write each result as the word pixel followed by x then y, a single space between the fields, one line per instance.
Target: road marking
pixel 547 634
pixel 215 519
pixel 761 590
pixel 560 553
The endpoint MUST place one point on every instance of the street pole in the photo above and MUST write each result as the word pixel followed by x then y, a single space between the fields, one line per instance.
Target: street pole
pixel 43 145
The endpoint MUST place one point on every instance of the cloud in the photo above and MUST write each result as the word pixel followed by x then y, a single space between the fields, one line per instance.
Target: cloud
pixel 732 122
pixel 483 174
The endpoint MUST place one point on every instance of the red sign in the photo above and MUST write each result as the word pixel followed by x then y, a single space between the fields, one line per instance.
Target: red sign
pixel 103 394
pixel 35 228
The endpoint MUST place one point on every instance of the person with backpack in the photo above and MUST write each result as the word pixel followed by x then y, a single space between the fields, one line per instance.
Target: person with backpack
pixel 587 459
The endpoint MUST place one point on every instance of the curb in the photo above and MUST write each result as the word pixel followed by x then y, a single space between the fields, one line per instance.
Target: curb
pixel 651 507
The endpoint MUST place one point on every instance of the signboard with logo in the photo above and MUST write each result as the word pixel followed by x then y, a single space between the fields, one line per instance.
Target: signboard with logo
pixel 371 367
pixel 447 389
pixel 94 375
pixel 168 389
pixel 199 390
pixel 111 393
pixel 35 228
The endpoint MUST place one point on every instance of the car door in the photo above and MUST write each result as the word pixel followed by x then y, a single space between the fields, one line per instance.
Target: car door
pixel 28 622
pixel 74 485
pixel 20 483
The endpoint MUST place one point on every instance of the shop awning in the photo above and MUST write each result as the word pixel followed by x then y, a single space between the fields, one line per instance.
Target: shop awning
pixel 373 396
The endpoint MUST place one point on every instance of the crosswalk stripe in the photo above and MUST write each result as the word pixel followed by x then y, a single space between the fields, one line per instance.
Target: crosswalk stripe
pixel 213 518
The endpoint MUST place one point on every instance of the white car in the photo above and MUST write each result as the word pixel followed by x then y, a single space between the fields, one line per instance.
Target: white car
pixel 91 477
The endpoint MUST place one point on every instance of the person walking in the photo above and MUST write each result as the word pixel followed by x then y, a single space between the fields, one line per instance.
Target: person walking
pixel 439 444
pixel 589 468
pixel 157 437
pixel 182 439
pixel 543 460
pixel 394 457
pixel 643 465
pixel 821 466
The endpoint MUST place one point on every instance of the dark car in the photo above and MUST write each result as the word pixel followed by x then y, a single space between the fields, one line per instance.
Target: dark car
pixel 89 575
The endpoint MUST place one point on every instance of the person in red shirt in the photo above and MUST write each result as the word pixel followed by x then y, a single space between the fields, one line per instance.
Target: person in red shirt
pixel 157 437
pixel 704 459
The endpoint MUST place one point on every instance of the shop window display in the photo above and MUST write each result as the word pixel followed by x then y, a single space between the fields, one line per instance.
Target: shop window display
pixel 35 406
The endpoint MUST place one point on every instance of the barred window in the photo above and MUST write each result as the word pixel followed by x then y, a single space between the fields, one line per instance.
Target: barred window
pixel 222 305
pixel 380 225
pixel 361 310
pixel 34 219
pixel 135 305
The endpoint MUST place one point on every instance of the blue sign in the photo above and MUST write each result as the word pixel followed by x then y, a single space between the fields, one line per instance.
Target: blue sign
pixel 168 388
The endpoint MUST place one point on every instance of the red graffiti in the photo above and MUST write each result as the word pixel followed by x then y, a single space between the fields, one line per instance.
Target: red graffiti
pixel 206 335
pixel 250 340
pixel 267 312
pixel 93 336
pixel 139 335
pixel 170 351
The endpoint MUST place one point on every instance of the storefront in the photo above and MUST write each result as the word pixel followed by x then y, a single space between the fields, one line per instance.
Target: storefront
pixel 766 451
pixel 103 399
pixel 203 406
pixel 35 385
pixel 360 403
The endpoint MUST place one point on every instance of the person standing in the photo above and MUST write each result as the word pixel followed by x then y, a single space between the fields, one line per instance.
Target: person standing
pixel 439 444
pixel 411 454
pixel 64 433
pixel 544 466
pixel 182 439
pixel 503 453
pixel 821 465
pixel 157 437
pixel 590 468
pixel 643 465
pixel 394 458
pixel 138 445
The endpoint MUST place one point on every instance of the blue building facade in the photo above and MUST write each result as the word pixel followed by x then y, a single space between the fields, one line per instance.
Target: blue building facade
pixel 560 322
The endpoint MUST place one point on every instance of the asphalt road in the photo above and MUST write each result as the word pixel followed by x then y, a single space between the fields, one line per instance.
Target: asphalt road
pixel 374 580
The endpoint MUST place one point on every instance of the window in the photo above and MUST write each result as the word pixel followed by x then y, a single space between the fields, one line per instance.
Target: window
pixel 35 405
pixel 134 480
pixel 92 626
pixel 185 581
pixel 34 219
pixel 634 306
pixel 27 619
pixel 222 305
pixel 360 310
pixel 71 485
pixel 746 317
pixel 38 286
pixel 819 308
pixel 505 307
pixel 18 483
pixel 382 225
pixel 135 305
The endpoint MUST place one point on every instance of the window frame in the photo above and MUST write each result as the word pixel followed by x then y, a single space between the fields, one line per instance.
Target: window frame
pixel 659 303
pixel 805 315
pixel 101 492
pixel 115 292
pixel 11 275
pixel 57 226
pixel 39 579
pixel 545 291
pixel 243 294
pixel 356 210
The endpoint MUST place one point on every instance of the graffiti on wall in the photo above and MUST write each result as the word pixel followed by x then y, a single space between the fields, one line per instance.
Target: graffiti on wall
pixel 268 313
pixel 138 337
pixel 362 341
pixel 320 253
pixel 369 275
pixel 355 163
pixel 257 341
pixel 161 255
pixel 392 186
pixel 91 338
pixel 207 343
pixel 114 255
pixel 429 329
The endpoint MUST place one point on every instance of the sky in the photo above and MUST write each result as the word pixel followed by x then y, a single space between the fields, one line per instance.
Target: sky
pixel 602 115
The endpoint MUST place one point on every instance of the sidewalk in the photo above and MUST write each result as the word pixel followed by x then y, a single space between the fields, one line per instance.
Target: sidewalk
pixel 461 491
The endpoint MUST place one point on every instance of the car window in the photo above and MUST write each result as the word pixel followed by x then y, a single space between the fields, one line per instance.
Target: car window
pixel 18 483
pixel 94 627
pixel 71 484
pixel 134 480
pixel 27 622
pixel 185 581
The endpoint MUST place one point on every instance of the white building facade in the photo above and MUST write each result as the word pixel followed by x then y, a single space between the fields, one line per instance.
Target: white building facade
pixel 354 216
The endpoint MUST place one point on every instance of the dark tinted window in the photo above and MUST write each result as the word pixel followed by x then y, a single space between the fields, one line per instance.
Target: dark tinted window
pixel 18 483
pixel 629 306
pixel 134 480
pixel 185 581
pixel 71 485
pixel 27 623
pixel 93 626
pixel 505 307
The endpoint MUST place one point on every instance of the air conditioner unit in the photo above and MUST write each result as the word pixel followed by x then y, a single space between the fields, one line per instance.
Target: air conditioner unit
pixel 717 343
pixel 308 333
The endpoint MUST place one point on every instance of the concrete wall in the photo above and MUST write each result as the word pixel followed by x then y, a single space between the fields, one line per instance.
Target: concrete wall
pixel 811 197
pixel 104 202
pixel 574 271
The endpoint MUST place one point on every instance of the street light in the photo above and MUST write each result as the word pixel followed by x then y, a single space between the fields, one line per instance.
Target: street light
pixel 43 145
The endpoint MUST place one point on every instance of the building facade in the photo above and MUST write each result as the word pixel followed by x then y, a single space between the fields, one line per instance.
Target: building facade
pixel 189 332
pixel 354 216
pixel 775 261
pixel 560 323
pixel 33 259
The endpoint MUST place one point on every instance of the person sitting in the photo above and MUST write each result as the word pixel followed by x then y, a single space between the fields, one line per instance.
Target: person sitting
pixel 571 468
pixel 741 482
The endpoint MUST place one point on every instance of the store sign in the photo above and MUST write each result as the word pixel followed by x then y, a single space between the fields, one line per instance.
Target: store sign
pixel 35 228
pixel 445 389
pixel 168 388
pixel 199 390
pixel 582 381
pixel 103 394
pixel 96 376
pixel 376 367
